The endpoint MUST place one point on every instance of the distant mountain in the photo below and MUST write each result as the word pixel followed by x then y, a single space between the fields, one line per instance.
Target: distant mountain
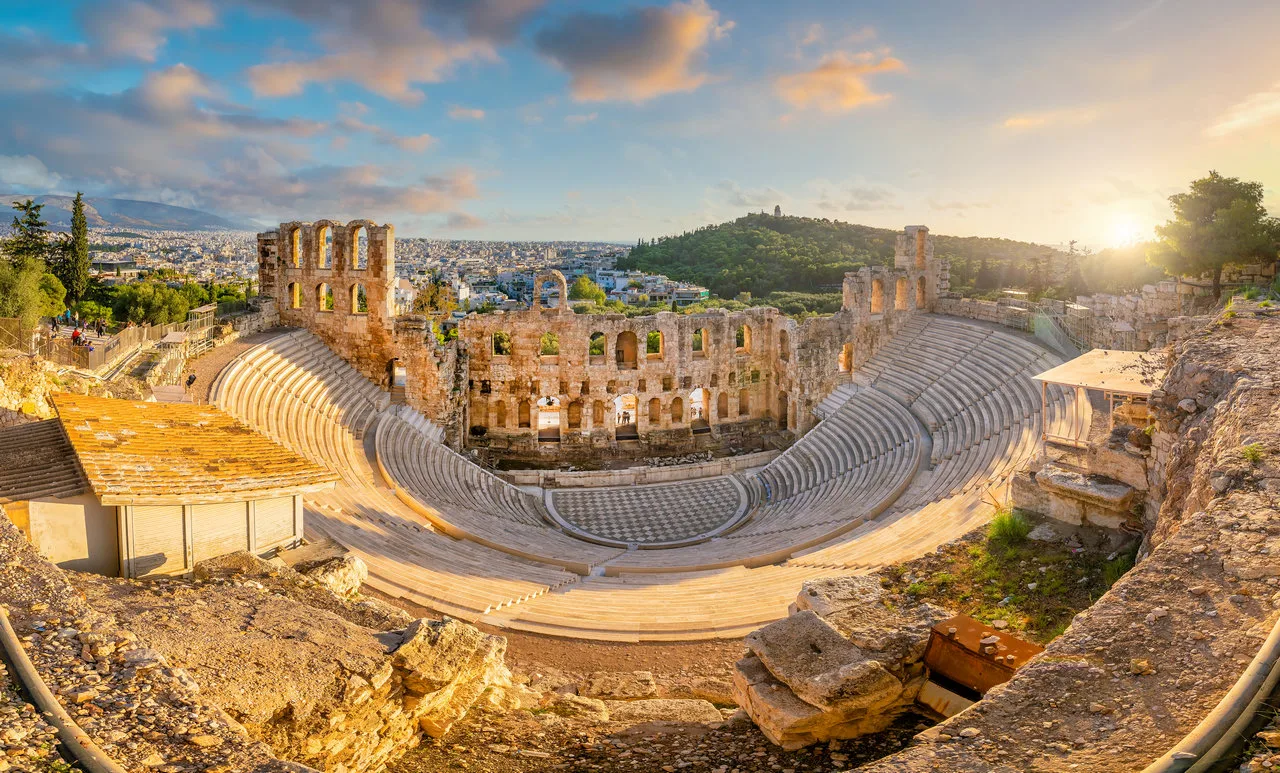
pixel 129 215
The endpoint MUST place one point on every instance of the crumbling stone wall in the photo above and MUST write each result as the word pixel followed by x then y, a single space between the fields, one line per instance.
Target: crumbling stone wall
pixel 756 371
pixel 1162 314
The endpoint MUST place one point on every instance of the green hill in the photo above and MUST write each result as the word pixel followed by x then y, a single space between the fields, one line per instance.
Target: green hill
pixel 761 254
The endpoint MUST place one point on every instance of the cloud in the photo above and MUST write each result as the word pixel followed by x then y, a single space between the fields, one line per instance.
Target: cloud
pixel 838 84
pixel 460 113
pixel 857 197
pixel 579 119
pixel 386 46
pixel 175 138
pixel 1254 111
pixel 957 205
pixel 139 28
pixel 463 221
pixel 413 144
pixel 736 196
pixel 1052 118
pixel 25 174
pixel 634 56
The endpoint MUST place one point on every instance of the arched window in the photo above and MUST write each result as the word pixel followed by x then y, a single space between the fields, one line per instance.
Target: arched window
pixel 295 295
pixel 597 413
pixel 359 303
pixel 575 414
pixel 595 348
pixel 324 297
pixel 700 342
pixel 900 296
pixel 625 350
pixel 550 346
pixel 784 346
pixel 715 379
pixel 324 245
pixel 655 410
pixel 733 378
pixel 522 415
pixel 921 237
pixel 846 358
pixel 744 404
pixel 501 343
pixel 653 345
pixel 677 410
pixel 668 382
pixel 921 297
pixel 722 406
pixel 782 410
pixel 359 247
pixel 877 296
pixel 742 339
pixel 500 414
pixel 295 246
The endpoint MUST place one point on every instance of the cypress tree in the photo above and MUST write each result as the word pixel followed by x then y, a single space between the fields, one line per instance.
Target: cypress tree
pixel 77 259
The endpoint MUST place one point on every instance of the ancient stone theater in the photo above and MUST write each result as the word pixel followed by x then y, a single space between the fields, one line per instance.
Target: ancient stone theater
pixel 500 475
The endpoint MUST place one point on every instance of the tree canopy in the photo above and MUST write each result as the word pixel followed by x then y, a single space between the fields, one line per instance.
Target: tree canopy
pixel 27 292
pixel 763 254
pixel 583 289
pixel 1219 220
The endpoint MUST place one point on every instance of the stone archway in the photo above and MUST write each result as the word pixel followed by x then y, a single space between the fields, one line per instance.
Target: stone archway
pixel 560 288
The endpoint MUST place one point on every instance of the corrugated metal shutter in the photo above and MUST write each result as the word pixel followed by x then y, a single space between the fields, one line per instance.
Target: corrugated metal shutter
pixel 219 529
pixel 159 540
pixel 274 521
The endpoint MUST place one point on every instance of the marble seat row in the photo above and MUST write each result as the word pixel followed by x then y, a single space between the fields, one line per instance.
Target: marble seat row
pixel 850 495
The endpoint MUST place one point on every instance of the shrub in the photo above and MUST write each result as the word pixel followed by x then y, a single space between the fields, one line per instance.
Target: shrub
pixel 1253 453
pixel 1008 527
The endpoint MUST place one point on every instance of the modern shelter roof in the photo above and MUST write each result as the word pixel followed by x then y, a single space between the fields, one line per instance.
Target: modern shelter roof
pixel 155 453
pixel 1109 370
pixel 36 461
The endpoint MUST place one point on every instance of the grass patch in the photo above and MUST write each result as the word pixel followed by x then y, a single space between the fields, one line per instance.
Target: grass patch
pixel 1253 453
pixel 1265 304
pixel 1116 568
pixel 1008 528
pixel 1036 587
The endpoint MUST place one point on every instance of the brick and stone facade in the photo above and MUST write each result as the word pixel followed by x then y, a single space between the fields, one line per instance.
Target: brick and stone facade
pixel 661 383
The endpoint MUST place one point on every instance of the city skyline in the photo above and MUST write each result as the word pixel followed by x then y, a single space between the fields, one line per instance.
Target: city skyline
pixel 526 120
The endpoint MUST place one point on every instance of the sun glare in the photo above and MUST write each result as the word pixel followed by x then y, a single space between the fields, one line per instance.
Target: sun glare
pixel 1126 230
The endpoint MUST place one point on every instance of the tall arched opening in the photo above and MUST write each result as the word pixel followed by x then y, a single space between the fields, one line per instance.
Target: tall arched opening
pixel 625 408
pixel 877 296
pixel 625 350
pixel 921 296
pixel 783 405
pixel 549 420
pixel 699 401
pixel 900 302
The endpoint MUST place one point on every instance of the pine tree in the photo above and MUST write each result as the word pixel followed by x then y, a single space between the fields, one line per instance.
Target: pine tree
pixel 76 262
pixel 28 243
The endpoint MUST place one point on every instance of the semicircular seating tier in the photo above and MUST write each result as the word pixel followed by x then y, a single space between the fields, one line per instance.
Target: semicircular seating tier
pixel 864 488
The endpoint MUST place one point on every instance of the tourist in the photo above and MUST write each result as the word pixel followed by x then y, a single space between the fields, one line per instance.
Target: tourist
pixel 75 337
pixel 191 379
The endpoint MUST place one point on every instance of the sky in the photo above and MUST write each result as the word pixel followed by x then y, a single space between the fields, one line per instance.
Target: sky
pixel 566 119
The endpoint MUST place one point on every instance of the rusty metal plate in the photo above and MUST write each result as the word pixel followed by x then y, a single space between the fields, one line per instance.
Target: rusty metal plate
pixel 973 654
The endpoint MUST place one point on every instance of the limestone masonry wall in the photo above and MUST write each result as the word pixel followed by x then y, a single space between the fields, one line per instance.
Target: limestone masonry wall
pixel 664 383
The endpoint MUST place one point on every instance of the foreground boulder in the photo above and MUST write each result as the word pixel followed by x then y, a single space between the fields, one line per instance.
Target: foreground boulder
pixel 335 683
pixel 846 664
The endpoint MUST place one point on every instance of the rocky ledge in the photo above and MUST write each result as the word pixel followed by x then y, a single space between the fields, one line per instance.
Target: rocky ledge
pixel 847 663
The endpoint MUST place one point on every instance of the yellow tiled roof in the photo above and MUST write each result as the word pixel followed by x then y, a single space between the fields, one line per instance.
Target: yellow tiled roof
pixel 136 452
